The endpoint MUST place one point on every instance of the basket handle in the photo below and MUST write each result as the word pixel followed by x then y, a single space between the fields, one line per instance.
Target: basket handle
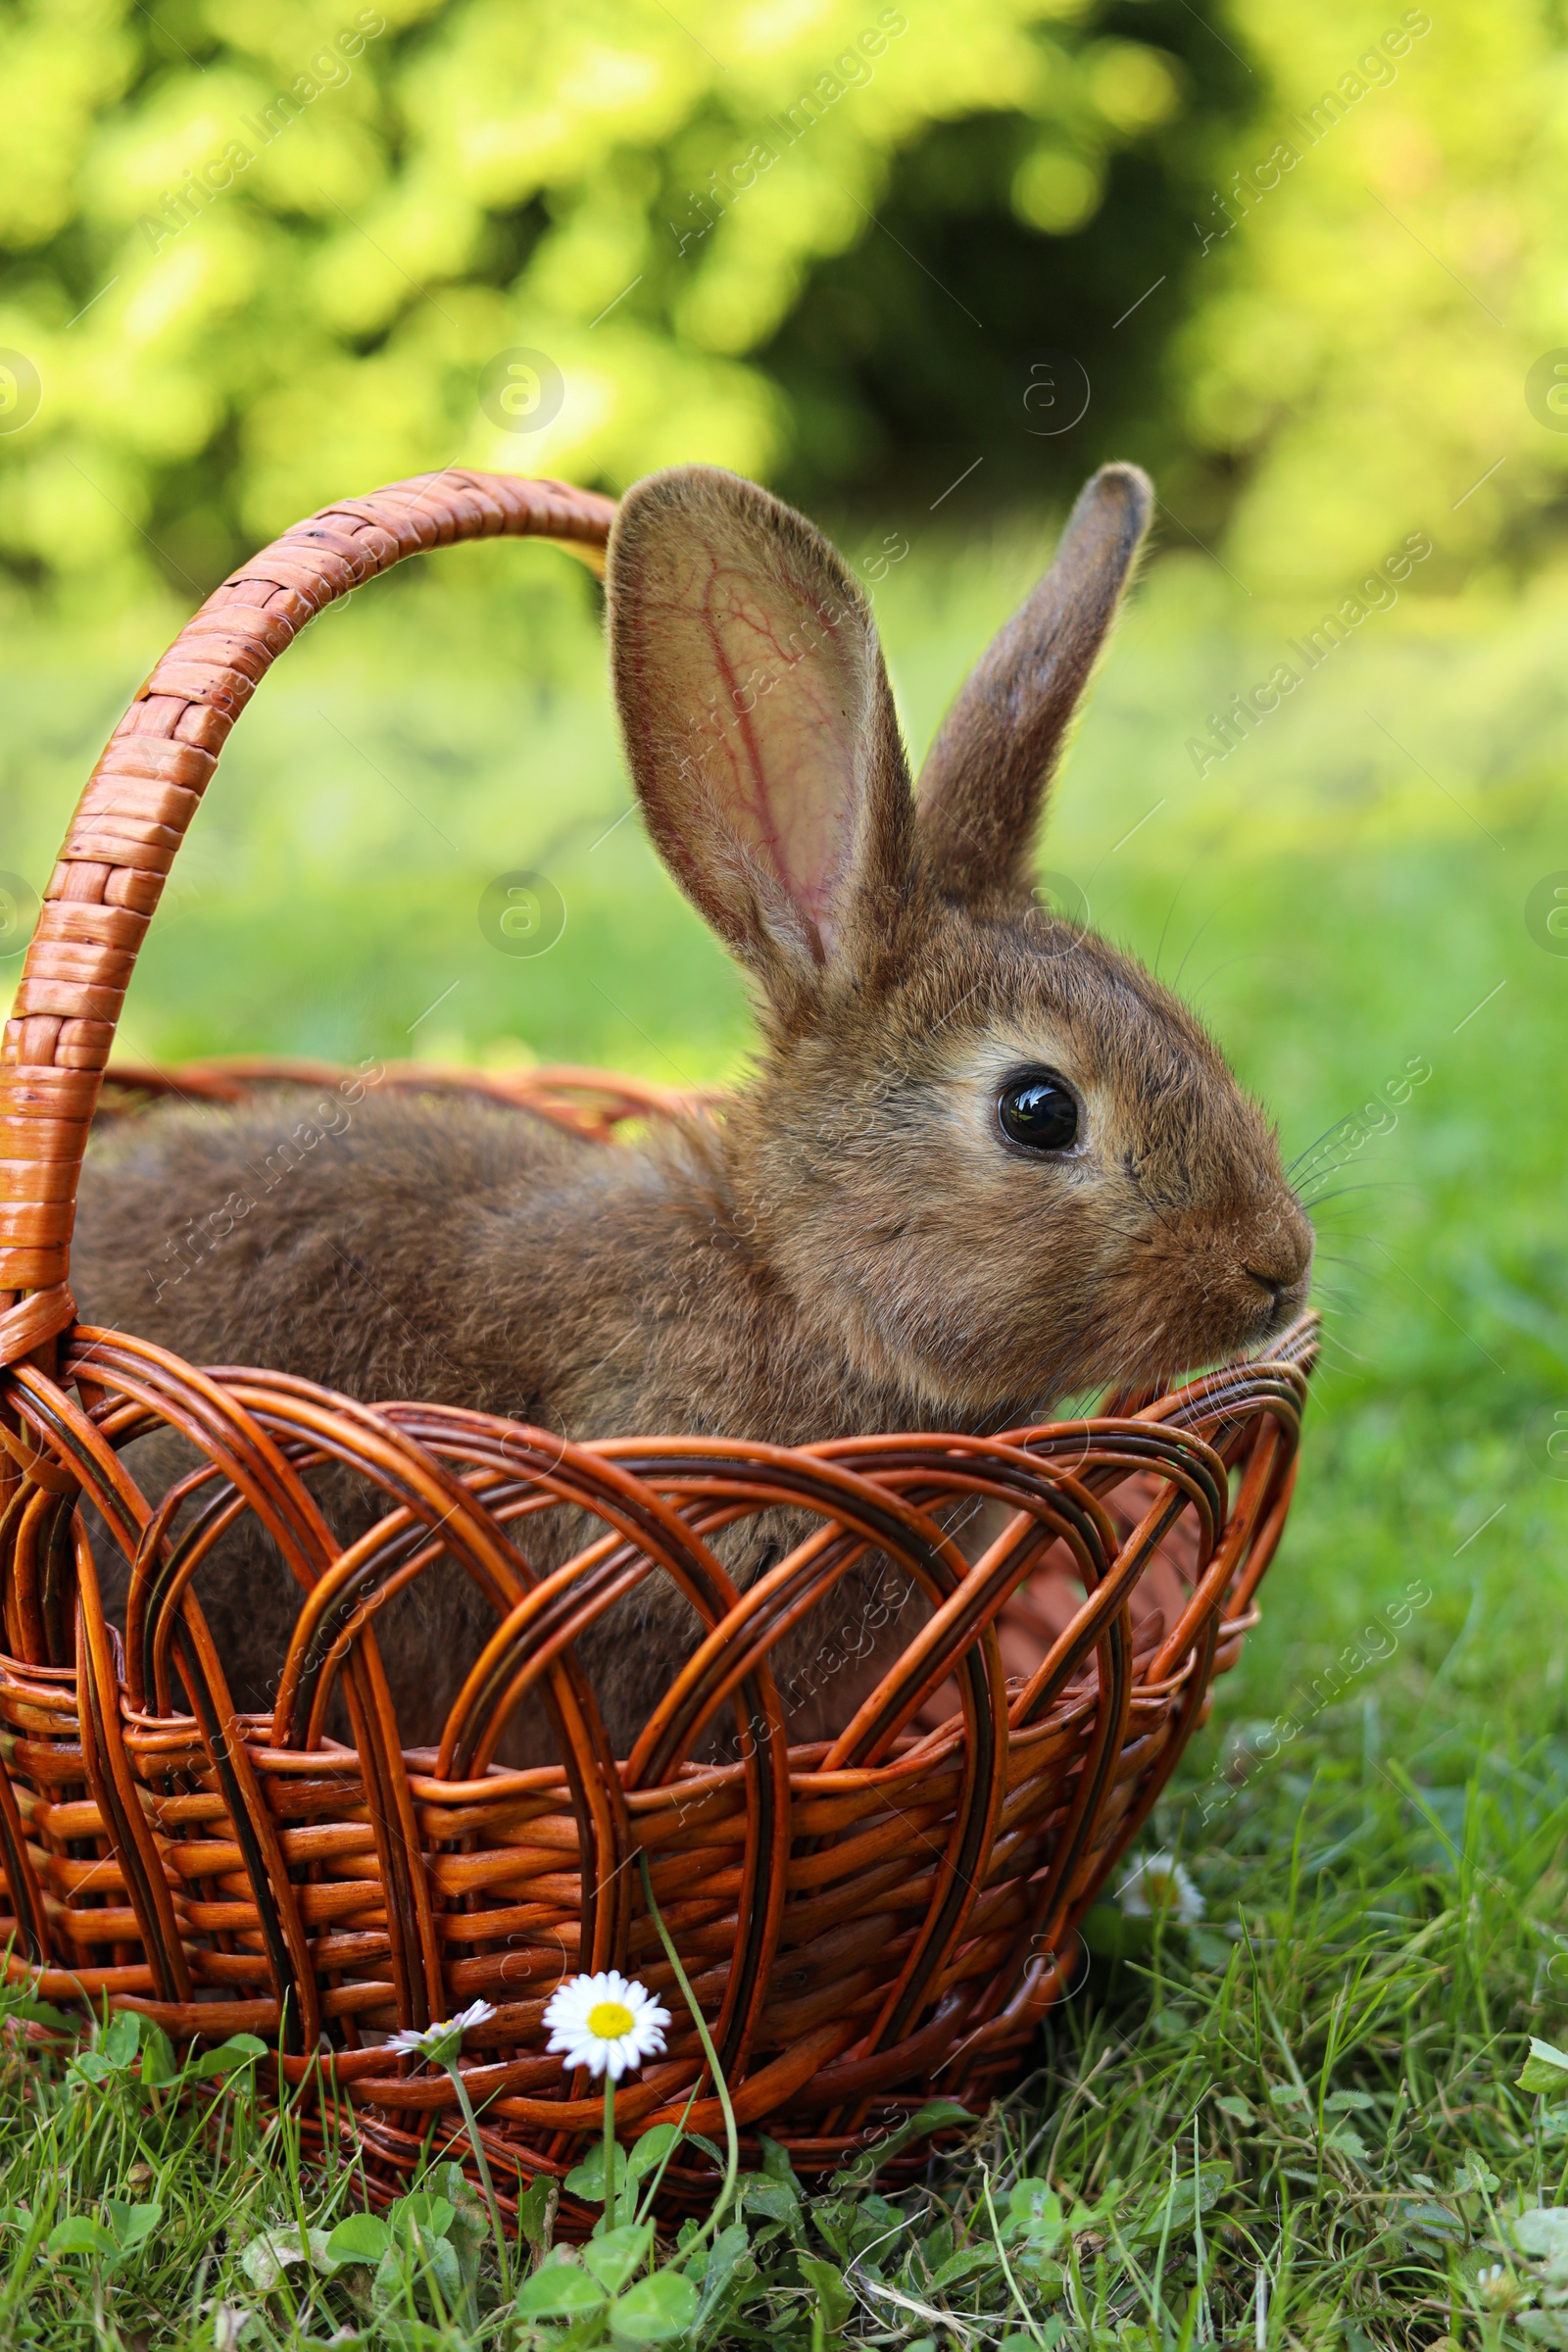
pixel 132 818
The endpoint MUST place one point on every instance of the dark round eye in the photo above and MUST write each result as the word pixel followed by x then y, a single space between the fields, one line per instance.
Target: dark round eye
pixel 1037 1112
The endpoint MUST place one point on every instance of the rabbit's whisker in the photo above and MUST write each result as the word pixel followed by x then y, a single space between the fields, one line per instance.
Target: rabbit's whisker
pixel 1294 1164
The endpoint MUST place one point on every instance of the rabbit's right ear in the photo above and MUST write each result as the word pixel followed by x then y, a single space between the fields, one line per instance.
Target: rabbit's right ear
pixel 984 782
pixel 759 724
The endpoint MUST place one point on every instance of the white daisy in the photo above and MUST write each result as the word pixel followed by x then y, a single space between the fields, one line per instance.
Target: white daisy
pixel 439 2044
pixel 1498 2290
pixel 1159 1887
pixel 606 2023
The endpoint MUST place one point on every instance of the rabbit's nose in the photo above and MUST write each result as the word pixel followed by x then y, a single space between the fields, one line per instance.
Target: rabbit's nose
pixel 1283 1257
pixel 1283 1264
pixel 1276 1285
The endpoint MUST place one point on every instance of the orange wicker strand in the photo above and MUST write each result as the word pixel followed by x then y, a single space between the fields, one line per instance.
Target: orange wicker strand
pixel 866 1922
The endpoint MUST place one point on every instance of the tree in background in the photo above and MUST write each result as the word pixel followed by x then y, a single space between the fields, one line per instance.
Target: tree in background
pixel 1376 348
pixel 1300 259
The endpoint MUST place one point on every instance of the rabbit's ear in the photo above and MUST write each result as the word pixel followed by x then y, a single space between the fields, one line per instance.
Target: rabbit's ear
pixel 984 782
pixel 759 722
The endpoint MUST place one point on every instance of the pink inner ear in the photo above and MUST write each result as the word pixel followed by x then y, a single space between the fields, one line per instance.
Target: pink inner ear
pixel 775 669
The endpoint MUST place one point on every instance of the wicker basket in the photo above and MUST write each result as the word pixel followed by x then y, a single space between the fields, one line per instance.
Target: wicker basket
pixel 865 1924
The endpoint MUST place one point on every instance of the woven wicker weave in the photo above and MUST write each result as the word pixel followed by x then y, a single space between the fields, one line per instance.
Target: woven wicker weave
pixel 865 1924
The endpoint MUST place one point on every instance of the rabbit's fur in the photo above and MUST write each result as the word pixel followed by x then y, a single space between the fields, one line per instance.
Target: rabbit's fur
pixel 853 1245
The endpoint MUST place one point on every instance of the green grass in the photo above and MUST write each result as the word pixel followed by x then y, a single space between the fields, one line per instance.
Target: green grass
pixel 1328 2056
pixel 1384 1872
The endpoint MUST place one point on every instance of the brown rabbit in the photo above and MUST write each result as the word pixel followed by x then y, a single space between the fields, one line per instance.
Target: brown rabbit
pixel 983 1159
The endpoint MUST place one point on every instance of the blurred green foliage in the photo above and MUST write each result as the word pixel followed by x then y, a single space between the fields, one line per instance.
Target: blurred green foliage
pixel 262 252
pixel 305 231
pixel 1362 362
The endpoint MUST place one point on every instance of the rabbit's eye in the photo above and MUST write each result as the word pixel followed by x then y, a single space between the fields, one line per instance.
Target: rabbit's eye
pixel 1038 1111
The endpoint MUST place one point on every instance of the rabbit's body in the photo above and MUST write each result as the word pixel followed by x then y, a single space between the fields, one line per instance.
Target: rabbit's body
pixel 466 1255
pixel 982 1161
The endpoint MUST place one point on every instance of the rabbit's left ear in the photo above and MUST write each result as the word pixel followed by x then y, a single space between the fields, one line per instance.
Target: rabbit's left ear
pixel 759 724
pixel 984 782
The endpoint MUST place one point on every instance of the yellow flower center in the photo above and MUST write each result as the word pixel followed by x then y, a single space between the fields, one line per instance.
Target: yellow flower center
pixel 607 2021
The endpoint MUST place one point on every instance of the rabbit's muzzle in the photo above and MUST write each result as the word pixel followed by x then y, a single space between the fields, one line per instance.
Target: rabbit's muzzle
pixel 1213 1283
